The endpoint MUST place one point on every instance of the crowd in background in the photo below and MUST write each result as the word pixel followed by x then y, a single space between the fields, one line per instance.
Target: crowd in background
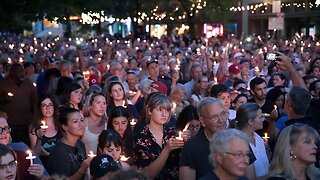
pixel 169 108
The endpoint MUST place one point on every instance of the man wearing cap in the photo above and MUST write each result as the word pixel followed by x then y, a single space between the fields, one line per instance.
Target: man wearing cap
pixel 153 72
pixel 234 73
pixel 244 63
pixel 157 86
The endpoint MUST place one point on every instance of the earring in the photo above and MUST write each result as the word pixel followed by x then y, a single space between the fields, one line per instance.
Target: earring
pixel 293 156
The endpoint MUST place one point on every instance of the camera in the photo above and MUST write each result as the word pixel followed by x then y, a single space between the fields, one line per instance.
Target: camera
pixel 270 56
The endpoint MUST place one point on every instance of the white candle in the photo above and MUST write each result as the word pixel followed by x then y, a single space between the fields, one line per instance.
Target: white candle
pixel 186 127
pixel 10 94
pixel 180 136
pixel 86 75
pixel 30 156
pixel 44 126
pixel 124 158
pixel 124 104
pixel 275 107
pixel 133 122
pixel 34 84
pixel 256 69
pixel 91 154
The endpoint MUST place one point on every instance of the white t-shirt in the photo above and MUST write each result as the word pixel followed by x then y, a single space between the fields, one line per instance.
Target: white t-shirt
pixel 261 165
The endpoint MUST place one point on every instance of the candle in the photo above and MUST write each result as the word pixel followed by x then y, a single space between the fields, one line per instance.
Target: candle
pixel 215 80
pixel 174 105
pixel 265 137
pixel 133 122
pixel 91 154
pixel 275 107
pixel 34 84
pixel 124 158
pixel 10 94
pixel 124 104
pixel 186 127
pixel 180 136
pixel 44 126
pixel 30 156
pixel 86 75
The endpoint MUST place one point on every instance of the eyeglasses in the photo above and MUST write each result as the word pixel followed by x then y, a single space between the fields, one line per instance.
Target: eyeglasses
pixel 5 130
pixel 240 155
pixel 11 165
pixel 46 106
pixel 79 157
pixel 191 126
pixel 223 115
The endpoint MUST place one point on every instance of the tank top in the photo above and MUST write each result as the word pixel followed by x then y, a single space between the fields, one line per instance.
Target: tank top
pixel 90 139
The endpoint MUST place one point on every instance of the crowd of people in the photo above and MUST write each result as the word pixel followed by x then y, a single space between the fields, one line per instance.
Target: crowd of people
pixel 171 108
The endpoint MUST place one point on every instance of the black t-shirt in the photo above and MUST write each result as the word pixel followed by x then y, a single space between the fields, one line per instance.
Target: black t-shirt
pixel 195 154
pixel 65 160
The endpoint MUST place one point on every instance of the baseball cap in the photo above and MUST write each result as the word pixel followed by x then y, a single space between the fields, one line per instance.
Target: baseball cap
pixel 103 164
pixel 152 61
pixel 238 54
pixel 94 79
pixel 160 86
pixel 244 60
pixel 50 60
pixel 234 69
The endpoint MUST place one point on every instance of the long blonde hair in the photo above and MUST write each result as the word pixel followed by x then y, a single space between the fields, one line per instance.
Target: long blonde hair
pixel 281 164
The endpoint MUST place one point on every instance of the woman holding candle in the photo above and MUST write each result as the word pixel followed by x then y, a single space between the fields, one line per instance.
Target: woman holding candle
pixel 68 157
pixel 45 133
pixel 95 118
pixel 110 143
pixel 155 145
pixel 116 97
pixel 177 96
pixel 295 154
pixel 249 119
pixel 119 121
pixel 189 117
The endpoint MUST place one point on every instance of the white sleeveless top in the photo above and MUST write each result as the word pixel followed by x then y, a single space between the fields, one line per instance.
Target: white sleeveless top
pixel 90 139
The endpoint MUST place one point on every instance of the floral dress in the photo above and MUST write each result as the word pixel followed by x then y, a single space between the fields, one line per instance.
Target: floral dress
pixel 147 150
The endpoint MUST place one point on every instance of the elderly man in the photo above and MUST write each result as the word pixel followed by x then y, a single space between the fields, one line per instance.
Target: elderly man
pixel 194 161
pixel 229 155
pixel 194 156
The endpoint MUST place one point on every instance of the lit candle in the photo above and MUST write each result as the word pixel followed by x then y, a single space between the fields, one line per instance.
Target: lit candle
pixel 275 107
pixel 34 84
pixel 124 158
pixel 186 127
pixel 265 137
pixel 215 80
pixel 133 122
pixel 124 104
pixel 44 126
pixel 180 136
pixel 10 94
pixel 91 154
pixel 174 105
pixel 86 75
pixel 256 69
pixel 30 156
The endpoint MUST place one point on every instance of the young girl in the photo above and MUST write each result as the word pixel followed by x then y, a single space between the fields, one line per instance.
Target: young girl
pixel 110 143
pixel 116 97
pixel 119 120
pixel 73 96
pixel 154 145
